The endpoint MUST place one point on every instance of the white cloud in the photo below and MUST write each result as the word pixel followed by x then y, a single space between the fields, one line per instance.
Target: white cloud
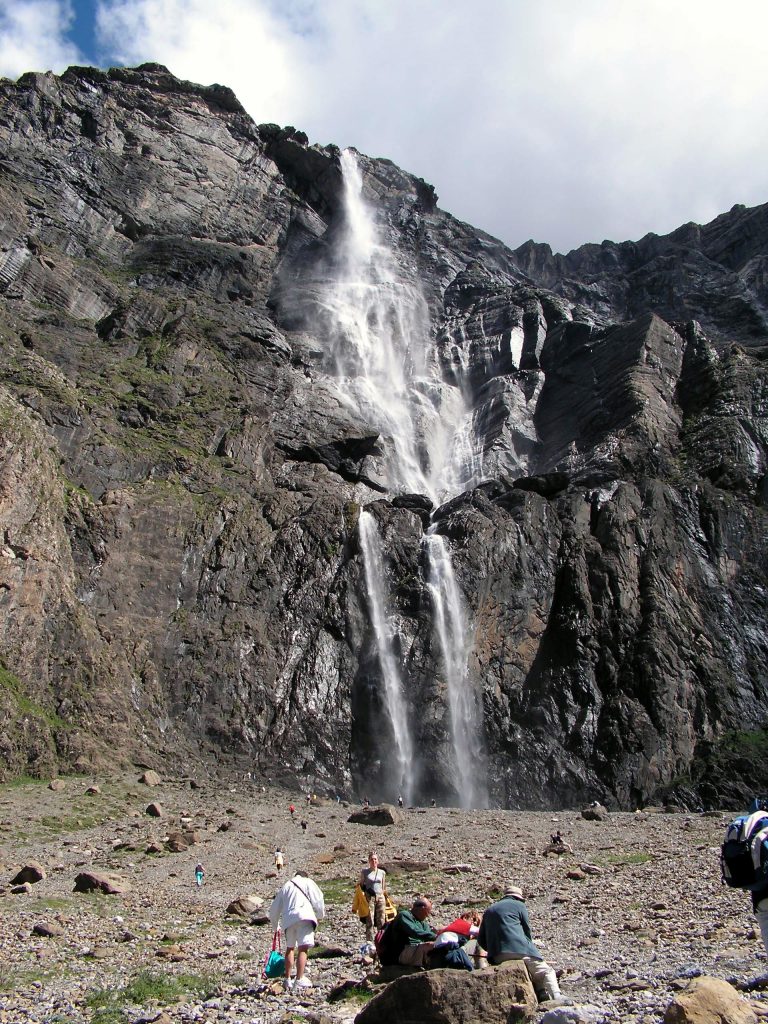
pixel 33 37
pixel 560 120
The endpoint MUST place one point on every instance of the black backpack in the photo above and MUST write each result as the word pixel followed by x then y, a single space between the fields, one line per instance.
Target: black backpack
pixel 744 854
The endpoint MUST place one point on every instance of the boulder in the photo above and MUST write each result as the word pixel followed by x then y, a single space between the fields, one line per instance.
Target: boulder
pixel 93 881
pixel 177 842
pixel 708 1000
pixel 244 906
pixel 384 814
pixel 93 790
pixel 47 930
pixel 154 810
pixel 150 778
pixel 495 995
pixel 56 784
pixel 595 812
pixel 31 872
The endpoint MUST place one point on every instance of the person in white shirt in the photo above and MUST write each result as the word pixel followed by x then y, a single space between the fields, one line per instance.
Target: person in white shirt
pixel 297 906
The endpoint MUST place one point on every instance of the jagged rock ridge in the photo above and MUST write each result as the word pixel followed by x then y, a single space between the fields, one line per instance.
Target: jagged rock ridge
pixel 180 481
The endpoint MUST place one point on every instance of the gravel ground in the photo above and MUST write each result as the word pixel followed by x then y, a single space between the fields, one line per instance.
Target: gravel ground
pixel 647 910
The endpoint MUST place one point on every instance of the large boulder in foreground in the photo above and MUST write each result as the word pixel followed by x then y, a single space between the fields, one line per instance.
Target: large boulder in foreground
pixel 384 814
pixel 708 1000
pixel 495 995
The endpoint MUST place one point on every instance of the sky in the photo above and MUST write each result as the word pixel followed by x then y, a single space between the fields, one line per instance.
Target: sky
pixel 565 121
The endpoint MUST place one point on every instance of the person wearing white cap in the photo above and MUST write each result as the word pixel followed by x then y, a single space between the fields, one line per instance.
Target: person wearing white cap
pixel 505 933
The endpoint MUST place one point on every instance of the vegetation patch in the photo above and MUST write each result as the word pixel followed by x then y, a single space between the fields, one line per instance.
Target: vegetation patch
pixel 150 987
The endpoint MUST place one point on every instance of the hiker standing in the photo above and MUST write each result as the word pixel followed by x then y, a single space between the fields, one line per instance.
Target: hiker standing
pixel 372 882
pixel 506 934
pixel 199 874
pixel 298 905
pixel 279 860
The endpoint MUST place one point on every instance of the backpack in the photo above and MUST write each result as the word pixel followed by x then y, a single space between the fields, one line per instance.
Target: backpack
pixel 385 942
pixel 744 854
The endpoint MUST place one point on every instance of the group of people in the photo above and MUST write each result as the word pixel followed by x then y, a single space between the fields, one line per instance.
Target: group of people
pixel 502 932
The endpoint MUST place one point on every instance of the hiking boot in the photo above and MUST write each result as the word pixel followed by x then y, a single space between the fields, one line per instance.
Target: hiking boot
pixel 302 983
pixel 288 984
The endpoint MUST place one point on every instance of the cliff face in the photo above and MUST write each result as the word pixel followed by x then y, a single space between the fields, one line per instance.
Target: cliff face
pixel 181 477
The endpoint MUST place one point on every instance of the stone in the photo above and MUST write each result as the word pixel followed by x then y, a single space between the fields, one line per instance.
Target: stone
pixel 32 872
pixel 48 929
pixel 93 790
pixel 707 1000
pixel 177 842
pixel 21 890
pixel 57 785
pixel 93 881
pixel 495 995
pixel 384 814
pixel 595 812
pixel 154 810
pixel 244 906
pixel 150 778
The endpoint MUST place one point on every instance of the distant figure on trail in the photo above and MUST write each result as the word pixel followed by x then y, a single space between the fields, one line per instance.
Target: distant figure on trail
pixel 309 799
pixel 279 860
pixel 408 939
pixel 298 906
pixel 199 874
pixel 433 802
pixel 292 809
pixel 366 803
pixel 304 826
pixel 373 884
pixel 506 934
pixel 400 801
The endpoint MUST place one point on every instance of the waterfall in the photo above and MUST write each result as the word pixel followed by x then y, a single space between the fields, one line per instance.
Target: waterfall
pixel 393 688
pixel 378 326
pixel 465 714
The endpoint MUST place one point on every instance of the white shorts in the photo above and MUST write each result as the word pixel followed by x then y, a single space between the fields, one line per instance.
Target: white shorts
pixel 300 934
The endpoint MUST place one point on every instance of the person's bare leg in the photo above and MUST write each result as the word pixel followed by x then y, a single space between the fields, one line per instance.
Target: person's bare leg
pixel 301 961
pixel 289 961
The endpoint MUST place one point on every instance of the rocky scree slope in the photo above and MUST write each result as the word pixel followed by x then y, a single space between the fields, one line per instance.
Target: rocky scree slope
pixel 181 479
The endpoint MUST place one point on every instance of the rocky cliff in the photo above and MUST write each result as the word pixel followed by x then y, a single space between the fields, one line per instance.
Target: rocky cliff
pixel 181 476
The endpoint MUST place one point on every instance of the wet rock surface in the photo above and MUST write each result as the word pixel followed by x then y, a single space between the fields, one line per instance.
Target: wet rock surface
pixel 626 942
pixel 182 476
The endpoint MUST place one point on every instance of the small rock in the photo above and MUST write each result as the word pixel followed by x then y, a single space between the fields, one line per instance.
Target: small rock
pixel 56 784
pixel 150 778
pixel 154 810
pixel 93 790
pixel 20 890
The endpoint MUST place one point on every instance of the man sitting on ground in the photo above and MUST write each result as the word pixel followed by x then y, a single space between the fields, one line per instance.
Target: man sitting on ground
pixel 408 939
pixel 506 934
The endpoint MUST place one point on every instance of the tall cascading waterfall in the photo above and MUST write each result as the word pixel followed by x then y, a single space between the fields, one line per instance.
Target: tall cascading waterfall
pixel 381 337
pixel 394 700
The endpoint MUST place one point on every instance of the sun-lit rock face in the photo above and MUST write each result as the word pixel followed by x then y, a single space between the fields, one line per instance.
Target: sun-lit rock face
pixel 182 471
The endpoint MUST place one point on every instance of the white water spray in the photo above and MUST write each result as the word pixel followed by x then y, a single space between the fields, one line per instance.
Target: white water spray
pixel 394 700
pixel 465 714
pixel 380 334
